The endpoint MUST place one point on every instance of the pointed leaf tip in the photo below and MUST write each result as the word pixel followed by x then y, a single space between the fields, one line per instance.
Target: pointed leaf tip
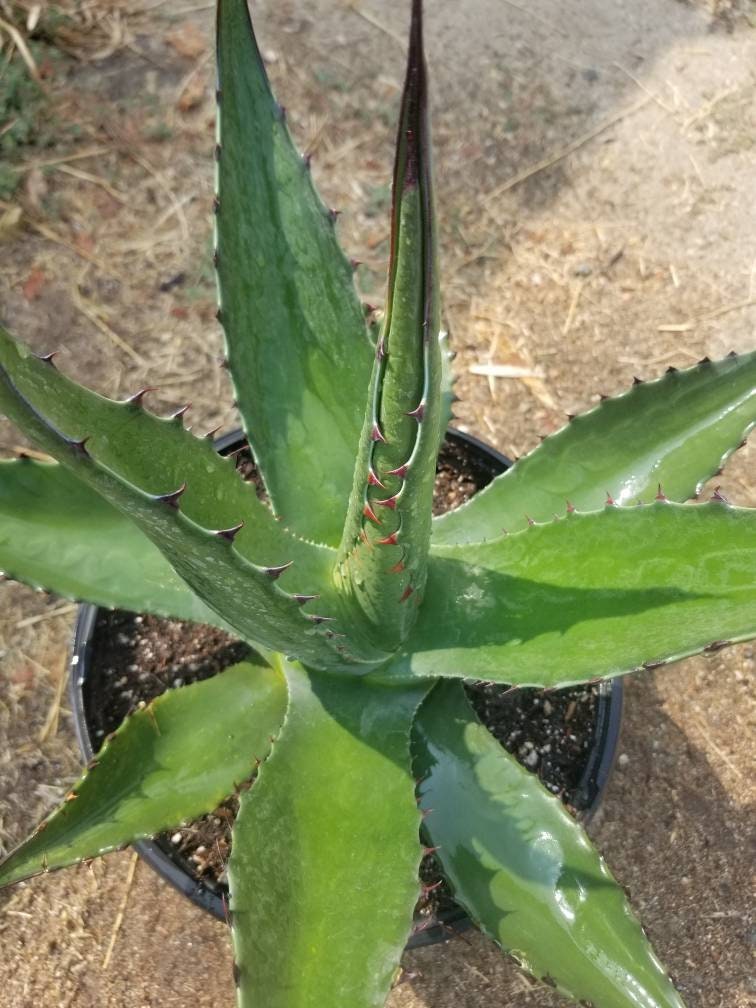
pixel 415 97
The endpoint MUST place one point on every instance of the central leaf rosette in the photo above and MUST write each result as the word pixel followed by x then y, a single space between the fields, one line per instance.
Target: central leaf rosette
pixel 383 559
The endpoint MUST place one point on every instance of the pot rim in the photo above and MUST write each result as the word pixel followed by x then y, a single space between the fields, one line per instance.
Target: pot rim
pixel 590 791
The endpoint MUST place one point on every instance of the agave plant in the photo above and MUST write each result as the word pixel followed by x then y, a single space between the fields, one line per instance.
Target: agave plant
pixel 365 615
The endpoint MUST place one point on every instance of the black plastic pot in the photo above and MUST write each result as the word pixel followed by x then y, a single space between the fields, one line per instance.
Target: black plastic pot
pixel 175 870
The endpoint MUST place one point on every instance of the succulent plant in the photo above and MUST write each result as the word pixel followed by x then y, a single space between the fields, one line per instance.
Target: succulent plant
pixel 366 615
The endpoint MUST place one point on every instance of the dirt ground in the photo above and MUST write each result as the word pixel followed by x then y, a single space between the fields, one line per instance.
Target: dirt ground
pixel 596 170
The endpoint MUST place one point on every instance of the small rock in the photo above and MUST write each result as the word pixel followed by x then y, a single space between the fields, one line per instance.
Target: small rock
pixel 176 839
pixel 531 760
pixel 623 760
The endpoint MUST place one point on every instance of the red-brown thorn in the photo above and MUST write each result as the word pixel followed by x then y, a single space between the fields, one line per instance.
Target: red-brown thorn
pixel 172 499
pixel 368 513
pixel 180 413
pixel 400 472
pixel 230 533
pixel 136 399
pixel 275 572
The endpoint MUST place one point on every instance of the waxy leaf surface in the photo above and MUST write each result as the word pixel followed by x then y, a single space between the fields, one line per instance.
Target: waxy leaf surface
pixel 325 855
pixel 523 869
pixel 245 595
pixel 159 456
pixel 171 761
pixel 58 535
pixel 297 343
pixel 676 431
pixel 588 595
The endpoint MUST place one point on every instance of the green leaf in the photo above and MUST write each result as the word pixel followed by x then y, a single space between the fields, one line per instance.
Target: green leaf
pixel 245 595
pixel 296 338
pixel 588 595
pixel 446 386
pixel 171 761
pixel 676 431
pixel 57 535
pixel 159 456
pixel 384 552
pixel 325 855
pixel 523 869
